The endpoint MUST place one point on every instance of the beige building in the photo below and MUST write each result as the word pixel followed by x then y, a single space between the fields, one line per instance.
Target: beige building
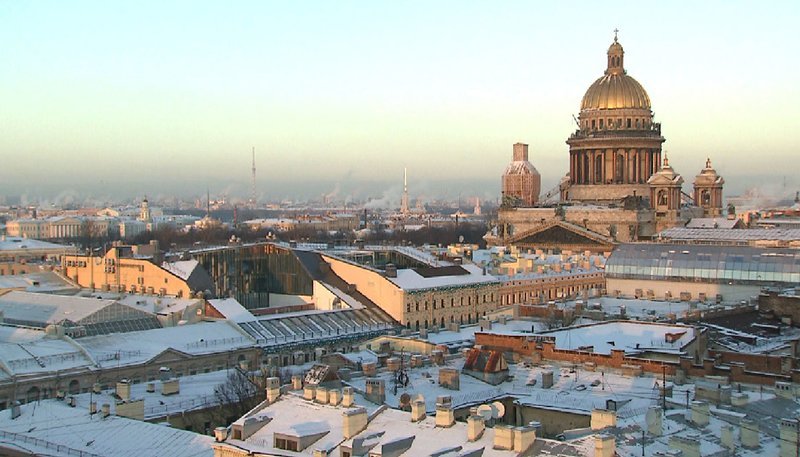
pixel 420 298
pixel 119 270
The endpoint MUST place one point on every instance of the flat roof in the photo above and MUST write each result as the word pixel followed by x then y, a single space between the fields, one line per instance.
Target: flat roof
pixel 629 336
pixel 52 427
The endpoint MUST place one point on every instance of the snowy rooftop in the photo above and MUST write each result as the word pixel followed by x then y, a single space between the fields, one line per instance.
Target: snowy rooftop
pixel 137 347
pixel 232 310
pixel 48 309
pixel 292 415
pixel 24 351
pixel 410 279
pixel 722 234
pixel 181 268
pixel 627 335
pixel 637 307
pixel 53 428
pixel 196 392
pixel 42 281
pixel 15 243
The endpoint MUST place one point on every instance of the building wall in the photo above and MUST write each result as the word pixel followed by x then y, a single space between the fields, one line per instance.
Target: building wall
pixel 545 288
pixel 781 305
pixel 438 307
pixel 729 292
pixel 373 285
pixel 553 421
pixel 83 379
pixel 627 225
pixel 114 273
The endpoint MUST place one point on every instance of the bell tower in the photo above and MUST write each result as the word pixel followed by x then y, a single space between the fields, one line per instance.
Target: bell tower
pixel 708 191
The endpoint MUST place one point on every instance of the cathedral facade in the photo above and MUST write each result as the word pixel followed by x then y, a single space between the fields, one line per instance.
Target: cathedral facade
pixel 619 188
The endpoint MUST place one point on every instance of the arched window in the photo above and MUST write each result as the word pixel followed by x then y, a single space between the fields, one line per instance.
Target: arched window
pixel 705 197
pixel 662 197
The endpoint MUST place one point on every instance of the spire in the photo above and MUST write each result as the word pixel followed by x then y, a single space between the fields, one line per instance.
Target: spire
pixel 253 190
pixel 615 57
pixel 404 198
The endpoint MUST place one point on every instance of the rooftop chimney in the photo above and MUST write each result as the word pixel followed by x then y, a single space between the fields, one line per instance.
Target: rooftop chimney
pixel 354 421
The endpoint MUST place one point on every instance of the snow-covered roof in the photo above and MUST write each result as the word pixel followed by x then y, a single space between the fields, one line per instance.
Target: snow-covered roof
pixel 629 336
pixel 53 428
pixel 711 222
pixel 16 243
pixel 24 351
pixel 723 234
pixel 138 347
pixel 232 310
pixel 410 279
pixel 41 281
pixel 196 392
pixel 181 268
pixel 44 309
pixel 291 412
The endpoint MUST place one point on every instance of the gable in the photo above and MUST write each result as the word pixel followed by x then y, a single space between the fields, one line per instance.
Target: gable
pixel 169 355
pixel 561 233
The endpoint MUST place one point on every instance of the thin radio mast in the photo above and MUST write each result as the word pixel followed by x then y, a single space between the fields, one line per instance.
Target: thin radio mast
pixel 253 190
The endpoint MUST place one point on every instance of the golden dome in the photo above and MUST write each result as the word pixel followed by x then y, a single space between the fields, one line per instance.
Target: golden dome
pixel 615 89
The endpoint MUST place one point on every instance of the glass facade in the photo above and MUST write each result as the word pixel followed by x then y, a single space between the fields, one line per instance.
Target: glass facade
pixel 718 264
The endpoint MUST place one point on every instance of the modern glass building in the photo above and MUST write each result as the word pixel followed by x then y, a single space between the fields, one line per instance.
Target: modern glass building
pixel 703 263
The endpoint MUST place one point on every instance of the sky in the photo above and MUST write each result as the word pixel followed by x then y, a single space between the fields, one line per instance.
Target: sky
pixel 169 97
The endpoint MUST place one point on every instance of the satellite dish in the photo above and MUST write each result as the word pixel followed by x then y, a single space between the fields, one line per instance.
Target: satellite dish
pixel 486 412
pixel 499 409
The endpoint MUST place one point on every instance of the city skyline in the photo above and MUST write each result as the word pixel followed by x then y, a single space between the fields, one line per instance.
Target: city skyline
pixel 119 100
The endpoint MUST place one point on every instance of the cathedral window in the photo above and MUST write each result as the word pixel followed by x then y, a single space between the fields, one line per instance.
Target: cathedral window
pixel 638 123
pixel 601 123
pixel 662 197
pixel 629 122
pixel 593 126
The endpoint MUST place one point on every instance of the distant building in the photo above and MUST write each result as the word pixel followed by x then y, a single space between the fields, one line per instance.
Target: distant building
pixel 618 187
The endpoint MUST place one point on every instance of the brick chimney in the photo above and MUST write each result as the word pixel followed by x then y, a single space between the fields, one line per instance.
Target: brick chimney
pixel 354 421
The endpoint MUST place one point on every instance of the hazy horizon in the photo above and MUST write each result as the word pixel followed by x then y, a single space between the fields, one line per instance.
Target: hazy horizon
pixel 169 98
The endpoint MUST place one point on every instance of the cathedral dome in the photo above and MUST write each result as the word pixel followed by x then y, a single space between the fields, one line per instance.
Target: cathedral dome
pixel 615 89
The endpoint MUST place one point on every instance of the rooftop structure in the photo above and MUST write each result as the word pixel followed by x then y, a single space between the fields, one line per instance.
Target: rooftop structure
pixel 79 316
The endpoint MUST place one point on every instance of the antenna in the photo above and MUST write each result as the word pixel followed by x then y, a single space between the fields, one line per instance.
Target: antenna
pixel 208 203
pixel 253 191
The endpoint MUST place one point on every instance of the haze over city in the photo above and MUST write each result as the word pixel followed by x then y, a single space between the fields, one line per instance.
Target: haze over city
pixel 169 98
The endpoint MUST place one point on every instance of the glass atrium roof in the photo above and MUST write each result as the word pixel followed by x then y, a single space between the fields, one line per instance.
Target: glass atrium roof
pixel 728 264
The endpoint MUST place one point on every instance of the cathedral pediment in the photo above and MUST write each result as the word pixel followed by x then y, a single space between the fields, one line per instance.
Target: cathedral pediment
pixel 561 234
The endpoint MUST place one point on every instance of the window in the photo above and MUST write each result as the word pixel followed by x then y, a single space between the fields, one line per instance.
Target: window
pixel 629 122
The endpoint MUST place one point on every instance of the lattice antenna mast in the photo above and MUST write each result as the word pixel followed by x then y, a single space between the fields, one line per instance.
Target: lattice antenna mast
pixel 253 190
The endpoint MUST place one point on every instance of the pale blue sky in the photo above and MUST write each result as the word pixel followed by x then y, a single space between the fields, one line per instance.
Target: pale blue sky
pixel 164 96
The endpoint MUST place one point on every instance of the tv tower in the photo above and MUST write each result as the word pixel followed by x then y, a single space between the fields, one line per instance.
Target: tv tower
pixel 404 198
pixel 253 190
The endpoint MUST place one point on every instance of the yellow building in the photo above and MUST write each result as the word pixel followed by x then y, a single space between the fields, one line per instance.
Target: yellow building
pixel 424 297
pixel 119 270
